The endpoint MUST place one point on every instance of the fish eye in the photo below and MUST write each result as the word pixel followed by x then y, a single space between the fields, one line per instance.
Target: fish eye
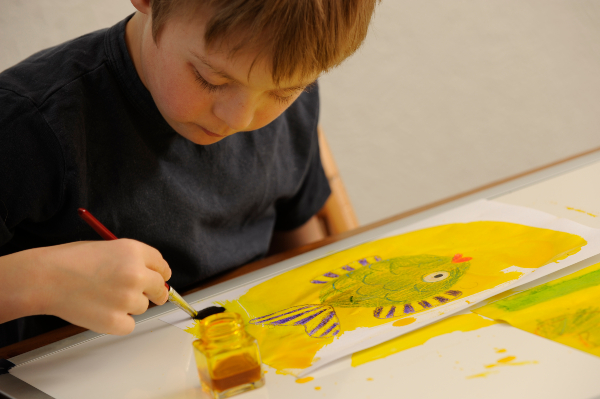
pixel 436 276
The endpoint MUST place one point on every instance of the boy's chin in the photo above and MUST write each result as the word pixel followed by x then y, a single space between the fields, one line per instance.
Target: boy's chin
pixel 197 136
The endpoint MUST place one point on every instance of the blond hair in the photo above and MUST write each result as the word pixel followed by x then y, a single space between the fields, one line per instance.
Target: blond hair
pixel 303 38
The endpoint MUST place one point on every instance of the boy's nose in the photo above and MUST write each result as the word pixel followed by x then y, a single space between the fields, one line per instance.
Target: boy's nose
pixel 236 111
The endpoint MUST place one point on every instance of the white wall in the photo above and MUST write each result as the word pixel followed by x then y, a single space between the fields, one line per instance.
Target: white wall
pixel 443 97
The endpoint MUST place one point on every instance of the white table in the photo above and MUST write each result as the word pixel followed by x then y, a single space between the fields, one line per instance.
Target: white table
pixel 156 360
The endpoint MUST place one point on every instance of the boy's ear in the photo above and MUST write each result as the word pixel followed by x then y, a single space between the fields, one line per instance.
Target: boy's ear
pixel 142 6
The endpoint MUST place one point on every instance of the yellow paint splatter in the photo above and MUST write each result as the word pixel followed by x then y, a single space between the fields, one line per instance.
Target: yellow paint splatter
pixel 581 211
pixel 493 247
pixel 500 350
pixel 404 322
pixel 481 375
pixel 467 322
pixel 265 371
pixel 304 380
pixel 317 388
pixel 194 330
pixel 505 361
pixel 369 379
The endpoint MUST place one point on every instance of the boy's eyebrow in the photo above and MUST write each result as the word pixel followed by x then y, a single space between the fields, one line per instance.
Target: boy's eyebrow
pixel 225 75
pixel 215 70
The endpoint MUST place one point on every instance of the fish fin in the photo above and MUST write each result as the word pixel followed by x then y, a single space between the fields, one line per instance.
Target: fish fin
pixel 340 271
pixel 389 312
pixel 319 321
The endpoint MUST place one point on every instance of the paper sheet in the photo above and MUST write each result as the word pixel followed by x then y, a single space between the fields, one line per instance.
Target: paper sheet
pixel 368 294
pixel 565 310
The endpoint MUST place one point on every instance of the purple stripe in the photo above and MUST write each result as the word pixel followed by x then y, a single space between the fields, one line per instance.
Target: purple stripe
pixel 409 309
pixel 391 312
pixel 348 268
pixel 377 311
pixel 378 259
pixel 363 262
pixel 336 332
pixel 290 318
pixel 322 323
pixel 309 318
pixel 441 299
pixel 425 304
pixel 277 315
pixel 318 282
pixel 334 325
pixel 454 293
pixel 331 275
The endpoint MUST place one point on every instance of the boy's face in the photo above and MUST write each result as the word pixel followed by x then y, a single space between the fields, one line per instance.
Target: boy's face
pixel 205 95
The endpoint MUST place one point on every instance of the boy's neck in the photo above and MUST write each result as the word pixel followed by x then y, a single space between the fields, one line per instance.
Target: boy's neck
pixel 133 38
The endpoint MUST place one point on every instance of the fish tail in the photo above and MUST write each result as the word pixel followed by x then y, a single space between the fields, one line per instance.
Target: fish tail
pixel 340 271
pixel 319 321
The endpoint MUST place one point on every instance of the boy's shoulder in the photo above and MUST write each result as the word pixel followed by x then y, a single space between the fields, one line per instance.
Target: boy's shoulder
pixel 43 74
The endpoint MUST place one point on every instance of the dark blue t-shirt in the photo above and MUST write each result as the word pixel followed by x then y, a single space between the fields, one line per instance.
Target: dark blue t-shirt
pixel 79 129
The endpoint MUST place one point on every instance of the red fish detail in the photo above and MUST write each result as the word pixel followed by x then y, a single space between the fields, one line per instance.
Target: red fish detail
pixel 458 258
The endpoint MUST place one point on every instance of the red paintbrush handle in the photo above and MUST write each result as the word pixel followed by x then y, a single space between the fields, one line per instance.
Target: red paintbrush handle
pixel 96 225
pixel 99 227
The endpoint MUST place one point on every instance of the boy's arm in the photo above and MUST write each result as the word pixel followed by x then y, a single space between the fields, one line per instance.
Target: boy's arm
pixel 310 231
pixel 94 284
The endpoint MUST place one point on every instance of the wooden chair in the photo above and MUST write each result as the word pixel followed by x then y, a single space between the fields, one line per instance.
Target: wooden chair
pixel 337 215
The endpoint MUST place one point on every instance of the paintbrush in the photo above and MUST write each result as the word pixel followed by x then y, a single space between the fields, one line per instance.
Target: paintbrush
pixel 174 296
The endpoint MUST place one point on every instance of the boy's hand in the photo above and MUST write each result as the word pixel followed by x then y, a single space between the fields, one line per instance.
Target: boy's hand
pixel 99 284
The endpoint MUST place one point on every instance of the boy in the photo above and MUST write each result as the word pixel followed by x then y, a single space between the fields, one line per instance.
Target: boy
pixel 134 124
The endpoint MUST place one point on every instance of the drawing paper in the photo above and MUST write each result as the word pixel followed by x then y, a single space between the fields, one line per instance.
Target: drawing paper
pixel 354 299
pixel 565 310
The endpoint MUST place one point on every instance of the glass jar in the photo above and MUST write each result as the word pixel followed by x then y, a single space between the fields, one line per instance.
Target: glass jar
pixel 227 357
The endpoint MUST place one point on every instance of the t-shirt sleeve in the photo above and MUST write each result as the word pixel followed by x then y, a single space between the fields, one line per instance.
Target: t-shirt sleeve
pixel 31 165
pixel 314 189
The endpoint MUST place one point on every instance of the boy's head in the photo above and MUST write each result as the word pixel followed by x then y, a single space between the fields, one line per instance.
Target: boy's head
pixel 216 67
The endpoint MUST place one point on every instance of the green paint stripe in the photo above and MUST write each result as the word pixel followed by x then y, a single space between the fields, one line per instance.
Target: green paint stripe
pixel 548 291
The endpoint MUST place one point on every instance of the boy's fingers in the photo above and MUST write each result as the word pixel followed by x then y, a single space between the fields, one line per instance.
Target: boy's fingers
pixel 155 261
pixel 140 306
pixel 156 290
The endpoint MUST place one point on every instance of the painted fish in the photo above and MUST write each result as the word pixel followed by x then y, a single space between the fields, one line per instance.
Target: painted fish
pixel 393 287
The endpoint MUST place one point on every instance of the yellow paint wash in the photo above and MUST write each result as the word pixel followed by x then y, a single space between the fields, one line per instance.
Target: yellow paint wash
pixel 581 211
pixel 493 247
pixel 464 323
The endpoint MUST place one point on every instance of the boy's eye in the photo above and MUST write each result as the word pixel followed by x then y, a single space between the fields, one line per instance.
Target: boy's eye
pixel 282 99
pixel 206 85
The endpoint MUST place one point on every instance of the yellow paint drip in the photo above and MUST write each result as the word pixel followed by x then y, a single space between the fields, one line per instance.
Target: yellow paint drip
pixel 304 380
pixel 404 322
pixel 581 211
pixel 464 323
